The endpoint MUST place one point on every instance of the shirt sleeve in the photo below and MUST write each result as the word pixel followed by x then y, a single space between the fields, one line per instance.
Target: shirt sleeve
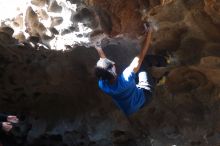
pixel 128 74
pixel 103 86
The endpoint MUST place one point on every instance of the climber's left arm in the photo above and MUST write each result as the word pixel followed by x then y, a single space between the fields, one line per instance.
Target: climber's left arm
pixel 137 61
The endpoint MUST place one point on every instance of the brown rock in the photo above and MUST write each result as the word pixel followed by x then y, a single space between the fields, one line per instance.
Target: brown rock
pixel 212 8
pixel 210 61
pixel 184 79
pixel 88 17
pixel 124 16
pixel 6 39
pixel 54 30
pixel 34 39
pixel 7 30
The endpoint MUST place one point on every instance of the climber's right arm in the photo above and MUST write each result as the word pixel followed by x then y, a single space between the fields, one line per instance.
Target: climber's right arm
pixel 100 52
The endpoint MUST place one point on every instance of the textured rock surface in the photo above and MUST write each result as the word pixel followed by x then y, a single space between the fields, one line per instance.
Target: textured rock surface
pixel 57 92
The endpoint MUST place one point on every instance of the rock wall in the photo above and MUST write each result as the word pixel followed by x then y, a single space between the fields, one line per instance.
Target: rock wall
pixel 57 92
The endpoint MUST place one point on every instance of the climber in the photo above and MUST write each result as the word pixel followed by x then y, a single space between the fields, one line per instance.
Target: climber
pixel 128 96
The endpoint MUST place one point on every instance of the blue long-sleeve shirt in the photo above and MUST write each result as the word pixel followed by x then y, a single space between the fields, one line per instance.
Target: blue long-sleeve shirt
pixel 124 92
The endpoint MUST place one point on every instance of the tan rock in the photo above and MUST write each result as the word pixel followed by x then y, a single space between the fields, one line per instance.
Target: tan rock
pixel 40 28
pixel 43 14
pixel 37 28
pixel 39 3
pixel 54 7
pixel 56 21
pixel 30 17
pixel 18 21
pixel 20 37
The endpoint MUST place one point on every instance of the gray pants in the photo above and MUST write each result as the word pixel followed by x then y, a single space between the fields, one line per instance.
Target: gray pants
pixel 145 80
pixel 147 84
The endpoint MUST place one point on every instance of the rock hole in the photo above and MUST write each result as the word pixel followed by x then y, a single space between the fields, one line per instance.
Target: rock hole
pixel 118 133
pixel 82 137
pixel 28 61
pixel 196 143
pixel 37 94
pixel 22 95
pixel 18 89
pixel 11 80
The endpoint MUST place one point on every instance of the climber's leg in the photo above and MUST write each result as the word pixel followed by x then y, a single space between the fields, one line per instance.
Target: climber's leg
pixel 145 79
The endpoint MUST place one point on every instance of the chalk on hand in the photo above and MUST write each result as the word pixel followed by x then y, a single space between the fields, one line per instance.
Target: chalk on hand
pixel 153 24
